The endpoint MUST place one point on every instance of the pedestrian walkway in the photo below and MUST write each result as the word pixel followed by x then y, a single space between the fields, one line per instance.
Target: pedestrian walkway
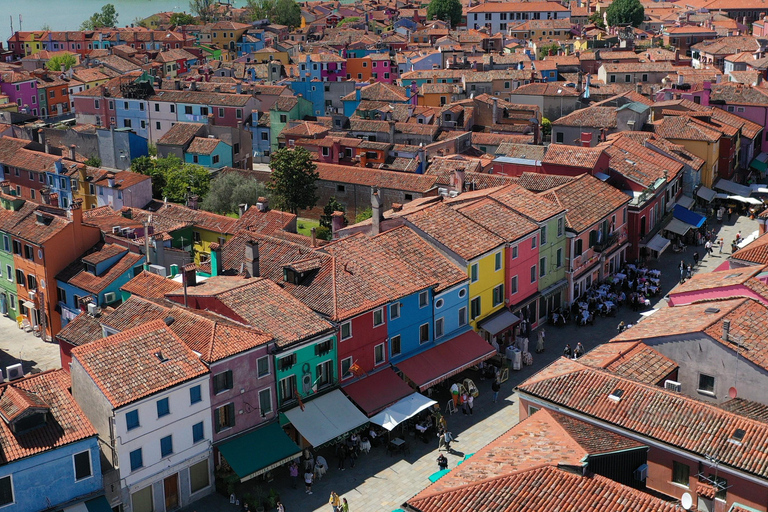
pixel 381 482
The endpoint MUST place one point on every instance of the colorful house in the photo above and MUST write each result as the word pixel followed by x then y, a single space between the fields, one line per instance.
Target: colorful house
pixel 325 67
pixel 209 152
pixel 286 108
pixel 21 88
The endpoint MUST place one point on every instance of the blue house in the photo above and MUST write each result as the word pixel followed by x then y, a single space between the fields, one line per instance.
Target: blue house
pixel 98 275
pixel 409 325
pixel 451 307
pixel 209 152
pixel 59 183
pixel 261 138
pixel 51 458
pixel 312 90
pixel 133 114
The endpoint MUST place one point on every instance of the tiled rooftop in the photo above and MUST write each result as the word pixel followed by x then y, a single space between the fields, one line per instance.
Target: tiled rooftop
pixel 587 201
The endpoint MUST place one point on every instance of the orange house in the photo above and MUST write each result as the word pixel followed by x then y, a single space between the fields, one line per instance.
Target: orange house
pixel 45 240
pixel 359 68
pixel 54 95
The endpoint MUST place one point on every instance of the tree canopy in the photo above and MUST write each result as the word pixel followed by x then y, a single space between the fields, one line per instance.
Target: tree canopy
pixel 182 18
pixel 228 191
pixel 625 12
pixel 287 12
pixel 171 177
pixel 260 9
pixel 446 10
pixel 203 9
pixel 107 17
pixel 63 59
pixel 326 219
pixel 293 180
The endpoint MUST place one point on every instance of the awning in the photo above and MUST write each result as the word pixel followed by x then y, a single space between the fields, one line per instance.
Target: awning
pixel 685 201
pixel 28 304
pixel 99 504
pixel 499 321
pixel 760 163
pixel 446 359
pixel 377 391
pixel 326 418
pixel 677 227
pixel 258 451
pixel 658 243
pixel 747 200
pixel 406 408
pixel 705 193
pixel 556 287
pixel 689 217
pixel 732 188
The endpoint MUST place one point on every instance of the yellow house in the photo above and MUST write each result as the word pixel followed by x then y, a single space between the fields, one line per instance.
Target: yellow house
pixel 486 285
pixel 225 35
pixel 267 55
pixel 208 228
pixel 82 187
pixel 701 139
pixel 89 77
pixel 437 95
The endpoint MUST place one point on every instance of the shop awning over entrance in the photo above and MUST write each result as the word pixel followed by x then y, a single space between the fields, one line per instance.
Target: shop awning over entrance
pixel 326 418
pixel 499 321
pixel 406 408
pixel 658 243
pixel 689 217
pixel 732 188
pixel 446 359
pixel 678 227
pixel 378 391
pixel 705 193
pixel 258 451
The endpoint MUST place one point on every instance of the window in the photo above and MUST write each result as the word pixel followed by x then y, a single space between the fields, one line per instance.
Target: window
pixel 559 137
pixel 224 417
pixel 423 333
pixel 132 419
pixel 283 118
pixel 543 267
pixel 497 261
pixel 326 151
pixel 378 354
pixel 533 242
pixel 215 159
pixel 395 345
pixel 96 104
pixel 222 381
pixel 195 395
pixel 378 317
pixel 166 446
pixel 20 278
pixel 137 461
pixel 474 306
pixel 9 273
pixel 188 110
pixel 394 311
pixel 82 462
pixel 6 490
pixel 439 327
pixel 473 273
pixel 706 384
pixel 498 295
pixel 613 78
pixel 462 316
pixel 287 362
pixel 721 485
pixel 423 299
pixel 578 247
pixel 346 330
pixel 627 78
pixel 560 227
pixel 287 388
pixel 681 473
pixel 198 432
pixel 341 188
pixel 346 364
pixel 173 109
pixel 127 123
pixel 221 112
pixel 559 258
pixel 265 401
pixel 29 252
pixel 324 347
pixel 513 285
pixel 198 476
pixel 6 244
pixel 533 274
pixel 262 367
pixel 163 409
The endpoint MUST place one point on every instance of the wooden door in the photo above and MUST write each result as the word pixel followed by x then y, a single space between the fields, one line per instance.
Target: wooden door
pixel 171 488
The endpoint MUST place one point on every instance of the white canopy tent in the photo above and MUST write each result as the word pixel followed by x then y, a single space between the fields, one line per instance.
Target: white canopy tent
pixel 325 418
pixel 658 243
pixel 401 410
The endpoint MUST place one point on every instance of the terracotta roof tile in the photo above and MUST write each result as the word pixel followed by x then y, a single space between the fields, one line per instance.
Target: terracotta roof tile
pixel 181 134
pixel 575 156
pixel 587 201
pixel 536 182
pixel 631 359
pixel 755 252
pixel 527 203
pixel 75 275
pixel 149 285
pixel 138 362
pixel 203 145
pixel 392 180
pixel 742 407
pixel 498 219
pixel 591 117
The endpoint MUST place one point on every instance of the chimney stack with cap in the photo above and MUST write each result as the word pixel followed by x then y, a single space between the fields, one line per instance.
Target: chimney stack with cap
pixel 337 223
pixel 726 330
pixel 376 212
pixel 252 258
pixel 72 152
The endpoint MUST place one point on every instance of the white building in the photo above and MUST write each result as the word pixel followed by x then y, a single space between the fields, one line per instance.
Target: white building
pixel 125 188
pixel 147 395
pixel 499 16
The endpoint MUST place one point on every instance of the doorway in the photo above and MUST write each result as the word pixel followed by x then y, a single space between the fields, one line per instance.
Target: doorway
pixel 171 489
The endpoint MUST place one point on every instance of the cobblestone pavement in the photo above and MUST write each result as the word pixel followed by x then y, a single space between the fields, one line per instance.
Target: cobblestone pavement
pixel 17 346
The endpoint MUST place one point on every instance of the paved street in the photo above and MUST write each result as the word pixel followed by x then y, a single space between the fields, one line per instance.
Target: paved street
pixel 19 346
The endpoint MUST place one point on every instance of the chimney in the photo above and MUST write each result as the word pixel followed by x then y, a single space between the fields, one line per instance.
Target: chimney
pixel 217 262
pixel 313 231
pixel 337 223
pixel 72 152
pixel 495 110
pixel 726 330
pixel 457 180
pixel 639 88
pixel 397 207
pixel 586 139
pixel 391 132
pixel 241 209
pixel 193 86
pixel 263 204
pixel 376 212
pixel 252 258
pixel 188 278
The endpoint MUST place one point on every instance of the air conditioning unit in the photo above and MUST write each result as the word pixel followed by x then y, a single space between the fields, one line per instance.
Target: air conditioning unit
pixel 126 231
pixel 14 372
pixel 641 473
pixel 673 385
pixel 93 309
pixel 442 191
pixel 453 193
pixel 116 230
pixel 110 297
pixel 158 269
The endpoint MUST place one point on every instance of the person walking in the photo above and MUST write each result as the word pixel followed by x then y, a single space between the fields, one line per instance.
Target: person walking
pixel 695 258
pixel 341 453
pixel 442 462
pixel 682 272
pixel 293 470
pixel 471 403
pixel 344 505
pixel 496 387
pixel 309 477
pixel 690 272
pixel 540 342
pixel 708 248
pixel 730 213
pixel 335 501
pixel 280 507
pixel 567 351
pixel 721 242
pixel 464 404
pixel 578 351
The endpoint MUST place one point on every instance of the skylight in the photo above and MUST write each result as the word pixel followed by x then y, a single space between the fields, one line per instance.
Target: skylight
pixel 738 436
pixel 616 395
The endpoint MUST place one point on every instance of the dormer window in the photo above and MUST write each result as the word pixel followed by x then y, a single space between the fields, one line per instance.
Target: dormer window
pixel 90 268
pixel 616 395
pixel 22 410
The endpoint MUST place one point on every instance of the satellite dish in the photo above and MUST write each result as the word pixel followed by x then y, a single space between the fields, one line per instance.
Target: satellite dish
pixel 686 501
pixel 732 392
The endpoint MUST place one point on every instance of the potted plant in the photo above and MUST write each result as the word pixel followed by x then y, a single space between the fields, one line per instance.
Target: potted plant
pixel 258 499
pixel 273 498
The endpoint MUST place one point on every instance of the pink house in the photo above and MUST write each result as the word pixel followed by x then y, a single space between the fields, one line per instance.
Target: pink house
pixel 723 284
pixel 21 88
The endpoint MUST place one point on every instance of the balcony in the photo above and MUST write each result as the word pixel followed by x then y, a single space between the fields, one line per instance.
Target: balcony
pixel 608 243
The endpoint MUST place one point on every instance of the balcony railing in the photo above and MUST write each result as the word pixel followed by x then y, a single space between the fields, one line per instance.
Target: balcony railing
pixel 609 242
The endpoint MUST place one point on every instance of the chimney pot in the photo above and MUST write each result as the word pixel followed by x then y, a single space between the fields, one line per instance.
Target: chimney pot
pixel 72 148
pixel 252 258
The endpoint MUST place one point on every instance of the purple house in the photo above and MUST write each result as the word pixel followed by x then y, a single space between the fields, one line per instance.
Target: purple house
pixel 21 88
pixel 326 67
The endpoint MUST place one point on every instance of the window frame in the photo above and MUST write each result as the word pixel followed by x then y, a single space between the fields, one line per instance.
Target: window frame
pixel 462 313
pixel 136 464
pixel 380 314
pixel 228 381
pixel 90 465
pixel 129 425
pixel 474 273
pixel 217 425
pixel 163 453
pixel 705 391
pixel 164 410
pixel 348 324
pixel 376 349
pixel 261 408
pixel 439 331
pixel 498 293
pixel 394 308
pixel 675 475
pixel 422 338
pixel 498 262
pixel 195 438
pixel 423 299
pixel 260 375
pixel 195 399
pixel 472 313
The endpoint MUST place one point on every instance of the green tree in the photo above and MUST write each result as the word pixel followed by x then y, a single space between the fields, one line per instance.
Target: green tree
pixel 203 9
pixel 446 10
pixel 364 215
pixel 625 12
pixel 546 127
pixel 182 18
pixel 158 169
pixel 288 12
pixel 106 18
pixel 93 161
pixel 63 59
pixel 189 178
pixel 326 219
pixel 261 9
pixel 346 21
pixel 228 191
pixel 293 180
